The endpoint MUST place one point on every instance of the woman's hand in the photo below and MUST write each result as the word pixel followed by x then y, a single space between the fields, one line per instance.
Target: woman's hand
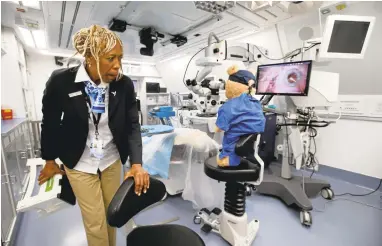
pixel 50 169
pixel 141 178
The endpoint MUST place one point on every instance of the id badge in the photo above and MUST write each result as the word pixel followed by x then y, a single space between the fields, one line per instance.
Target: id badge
pixel 96 149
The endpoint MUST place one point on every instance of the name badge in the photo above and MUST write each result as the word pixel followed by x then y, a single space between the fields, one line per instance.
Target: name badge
pixel 96 149
pixel 74 94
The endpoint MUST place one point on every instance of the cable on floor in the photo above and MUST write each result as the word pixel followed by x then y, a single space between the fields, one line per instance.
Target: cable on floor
pixel 344 199
pixel 350 194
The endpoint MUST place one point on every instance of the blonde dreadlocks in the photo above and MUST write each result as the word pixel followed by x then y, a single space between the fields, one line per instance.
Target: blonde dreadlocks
pixel 95 41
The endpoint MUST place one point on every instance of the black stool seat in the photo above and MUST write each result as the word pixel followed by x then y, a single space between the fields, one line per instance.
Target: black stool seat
pixel 247 171
pixel 163 235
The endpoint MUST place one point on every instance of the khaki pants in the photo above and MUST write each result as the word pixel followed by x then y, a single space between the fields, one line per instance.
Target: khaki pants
pixel 94 195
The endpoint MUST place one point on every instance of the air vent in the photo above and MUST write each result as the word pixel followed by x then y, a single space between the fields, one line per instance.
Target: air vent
pixel 214 7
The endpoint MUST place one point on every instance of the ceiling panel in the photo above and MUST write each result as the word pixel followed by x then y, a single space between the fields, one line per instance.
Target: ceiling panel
pixel 69 11
pixel 53 30
pixel 54 10
pixel 274 14
pixel 168 17
pixel 84 12
pixel 104 12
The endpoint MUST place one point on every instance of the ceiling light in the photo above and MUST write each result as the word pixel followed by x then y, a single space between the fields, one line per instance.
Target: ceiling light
pixel 32 4
pixel 39 38
pixel 27 36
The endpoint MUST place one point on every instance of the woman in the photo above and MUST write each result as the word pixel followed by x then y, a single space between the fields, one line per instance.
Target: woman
pixel 98 131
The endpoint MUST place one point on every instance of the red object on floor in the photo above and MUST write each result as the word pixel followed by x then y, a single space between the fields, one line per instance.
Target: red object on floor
pixel 6 114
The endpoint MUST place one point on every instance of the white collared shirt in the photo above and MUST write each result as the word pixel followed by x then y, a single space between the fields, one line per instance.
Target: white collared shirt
pixel 87 163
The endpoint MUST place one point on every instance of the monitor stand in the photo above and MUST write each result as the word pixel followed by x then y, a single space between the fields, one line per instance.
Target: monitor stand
pixel 281 183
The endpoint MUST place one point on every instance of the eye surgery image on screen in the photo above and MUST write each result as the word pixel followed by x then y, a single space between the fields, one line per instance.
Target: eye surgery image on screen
pixel 286 78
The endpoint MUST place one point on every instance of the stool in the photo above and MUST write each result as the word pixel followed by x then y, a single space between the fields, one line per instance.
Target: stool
pixel 232 223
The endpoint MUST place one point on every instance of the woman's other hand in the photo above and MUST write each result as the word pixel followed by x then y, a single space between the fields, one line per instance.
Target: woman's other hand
pixel 141 178
pixel 50 169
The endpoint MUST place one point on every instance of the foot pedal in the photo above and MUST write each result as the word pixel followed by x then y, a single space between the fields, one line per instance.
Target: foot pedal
pixel 206 211
pixel 206 228
pixel 216 211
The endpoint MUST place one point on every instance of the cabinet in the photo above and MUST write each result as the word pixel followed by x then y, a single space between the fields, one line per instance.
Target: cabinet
pixel 156 100
pixel 15 150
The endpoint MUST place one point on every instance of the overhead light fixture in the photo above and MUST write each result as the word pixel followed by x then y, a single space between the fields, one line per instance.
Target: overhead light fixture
pixel 27 36
pixel 39 38
pixel 214 7
pixel 32 4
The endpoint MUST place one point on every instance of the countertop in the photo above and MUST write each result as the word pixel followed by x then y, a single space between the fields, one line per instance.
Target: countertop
pixel 9 125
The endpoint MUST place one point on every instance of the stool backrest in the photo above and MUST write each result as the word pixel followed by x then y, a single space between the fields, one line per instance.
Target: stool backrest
pixel 126 204
pixel 245 147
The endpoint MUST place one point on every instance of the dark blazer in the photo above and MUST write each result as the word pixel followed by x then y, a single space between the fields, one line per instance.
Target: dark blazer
pixel 65 124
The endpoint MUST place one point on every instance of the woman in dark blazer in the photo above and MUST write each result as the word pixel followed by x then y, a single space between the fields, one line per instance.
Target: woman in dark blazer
pixel 90 122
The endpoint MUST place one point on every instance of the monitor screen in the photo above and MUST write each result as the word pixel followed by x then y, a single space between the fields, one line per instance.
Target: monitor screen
pixel 291 78
pixel 348 36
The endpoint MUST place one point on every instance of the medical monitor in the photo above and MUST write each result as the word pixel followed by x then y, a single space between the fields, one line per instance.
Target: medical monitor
pixel 346 36
pixel 291 78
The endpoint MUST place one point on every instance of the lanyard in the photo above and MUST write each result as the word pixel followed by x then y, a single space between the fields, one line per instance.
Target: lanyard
pixel 97 119
pixel 96 122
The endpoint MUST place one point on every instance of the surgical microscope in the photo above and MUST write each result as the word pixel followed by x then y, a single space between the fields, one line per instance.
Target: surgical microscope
pixel 206 87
